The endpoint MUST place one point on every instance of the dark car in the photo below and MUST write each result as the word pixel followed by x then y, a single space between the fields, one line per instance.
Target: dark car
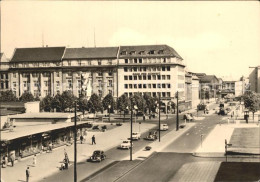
pixel 97 156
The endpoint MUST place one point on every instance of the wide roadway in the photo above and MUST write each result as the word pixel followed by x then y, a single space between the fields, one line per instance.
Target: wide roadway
pixel 85 169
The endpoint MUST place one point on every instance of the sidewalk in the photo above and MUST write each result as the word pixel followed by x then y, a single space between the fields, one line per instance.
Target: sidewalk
pixel 49 163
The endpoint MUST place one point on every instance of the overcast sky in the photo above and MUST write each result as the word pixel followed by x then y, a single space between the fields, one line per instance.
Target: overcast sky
pixel 220 38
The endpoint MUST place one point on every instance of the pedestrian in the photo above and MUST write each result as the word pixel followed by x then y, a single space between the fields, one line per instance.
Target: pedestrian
pixel 3 163
pixel 6 160
pixel 12 159
pixel 93 139
pixel 81 139
pixel 34 160
pixel 27 174
pixel 50 147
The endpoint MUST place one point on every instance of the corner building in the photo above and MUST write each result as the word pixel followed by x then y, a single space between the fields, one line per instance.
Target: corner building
pixel 154 69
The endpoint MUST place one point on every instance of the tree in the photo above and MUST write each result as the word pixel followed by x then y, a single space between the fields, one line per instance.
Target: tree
pixel 150 102
pixel 94 104
pixel 7 96
pixel 46 103
pixel 251 102
pixel 57 103
pixel 68 100
pixel 123 102
pixel 26 97
pixel 82 103
pixel 108 100
pixel 139 101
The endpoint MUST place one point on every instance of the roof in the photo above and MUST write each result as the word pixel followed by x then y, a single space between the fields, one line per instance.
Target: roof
pixel 145 51
pixel 90 53
pixel 3 58
pixel 207 78
pixel 38 54
pixel 199 75
pixel 45 115
pixel 22 131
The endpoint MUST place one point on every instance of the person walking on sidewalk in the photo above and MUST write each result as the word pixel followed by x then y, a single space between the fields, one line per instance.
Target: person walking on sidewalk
pixel 81 139
pixel 12 159
pixel 93 139
pixel 27 172
pixel 34 160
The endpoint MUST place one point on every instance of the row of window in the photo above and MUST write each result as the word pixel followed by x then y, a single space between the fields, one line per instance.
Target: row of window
pixel 135 86
pixel 147 77
pixel 4 85
pixel 4 76
pixel 89 62
pixel 135 69
pixel 140 60
pixel 151 52
pixel 153 94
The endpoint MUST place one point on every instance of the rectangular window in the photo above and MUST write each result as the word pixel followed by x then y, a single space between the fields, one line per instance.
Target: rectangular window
pixel 158 68
pixel 163 94
pixel 140 60
pixel 163 68
pixel 154 68
pixel 144 68
pixel 168 85
pixel 135 77
pixel 140 77
pixel 14 84
pixel 168 94
pixel 126 60
pixel 110 83
pixel 168 77
pixel 149 86
pixel 144 86
pixel 2 76
pixel 130 86
pixel 139 85
pixel 14 75
pixel 154 77
pixel 126 86
pixel 135 69
pixel 110 73
pixel 149 77
pixel 163 77
pixel 168 68
pixel 6 76
pixel 99 62
pixel 158 85
pixel 100 74
pixel 154 85
pixel 163 85
pixel 125 77
pixel 144 77
pixel 164 60
pixel 70 83
pixel 24 83
pixel 125 69
pixel 130 77
pixel 159 77
pixel 154 94
pixel 6 84
pixel 135 85
pixel 135 60
pixel 2 85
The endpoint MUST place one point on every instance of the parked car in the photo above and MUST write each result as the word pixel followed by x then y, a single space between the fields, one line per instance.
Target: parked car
pixel 136 136
pixel 151 136
pixel 188 117
pixel 96 127
pixel 164 127
pixel 97 156
pixel 126 144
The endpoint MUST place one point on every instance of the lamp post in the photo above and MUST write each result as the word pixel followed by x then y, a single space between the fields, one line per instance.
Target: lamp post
pixel 109 106
pixel 75 143
pixel 159 117
pixel 131 130
pixel 177 115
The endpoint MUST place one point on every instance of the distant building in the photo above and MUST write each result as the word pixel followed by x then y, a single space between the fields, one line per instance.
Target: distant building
pixel 4 73
pixel 254 79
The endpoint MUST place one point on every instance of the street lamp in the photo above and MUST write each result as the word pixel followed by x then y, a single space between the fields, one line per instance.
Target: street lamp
pixel 75 143
pixel 109 106
pixel 131 130
pixel 159 117
pixel 177 115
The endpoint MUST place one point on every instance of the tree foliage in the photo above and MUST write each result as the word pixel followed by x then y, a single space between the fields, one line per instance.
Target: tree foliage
pixel 108 100
pixel 82 103
pixel 57 103
pixel 251 101
pixel 46 103
pixel 26 97
pixel 150 102
pixel 7 96
pixel 123 102
pixel 94 104
pixel 68 100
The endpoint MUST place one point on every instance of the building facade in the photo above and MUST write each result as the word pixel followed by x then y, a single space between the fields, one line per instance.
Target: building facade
pixel 153 69
pixel 4 73
pixel 254 79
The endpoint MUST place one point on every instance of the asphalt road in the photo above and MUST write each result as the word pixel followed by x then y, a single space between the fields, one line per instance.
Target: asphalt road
pixel 85 169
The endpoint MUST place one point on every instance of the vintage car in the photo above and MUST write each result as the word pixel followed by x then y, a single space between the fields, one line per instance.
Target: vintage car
pixel 136 136
pixel 126 144
pixel 151 136
pixel 164 127
pixel 97 156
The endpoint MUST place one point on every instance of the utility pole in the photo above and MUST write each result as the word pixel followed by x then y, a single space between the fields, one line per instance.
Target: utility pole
pixel 159 117
pixel 177 115
pixel 75 144
pixel 131 130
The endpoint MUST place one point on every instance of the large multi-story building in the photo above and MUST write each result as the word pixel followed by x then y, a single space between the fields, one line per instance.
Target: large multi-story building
pixel 254 79
pixel 4 74
pixel 153 69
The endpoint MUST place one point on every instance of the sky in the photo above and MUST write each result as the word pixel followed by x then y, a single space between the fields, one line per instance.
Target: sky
pixel 220 38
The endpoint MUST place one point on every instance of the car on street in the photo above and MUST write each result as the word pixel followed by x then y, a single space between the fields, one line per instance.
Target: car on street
pixel 136 136
pixel 97 156
pixel 126 144
pixel 164 127
pixel 151 136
